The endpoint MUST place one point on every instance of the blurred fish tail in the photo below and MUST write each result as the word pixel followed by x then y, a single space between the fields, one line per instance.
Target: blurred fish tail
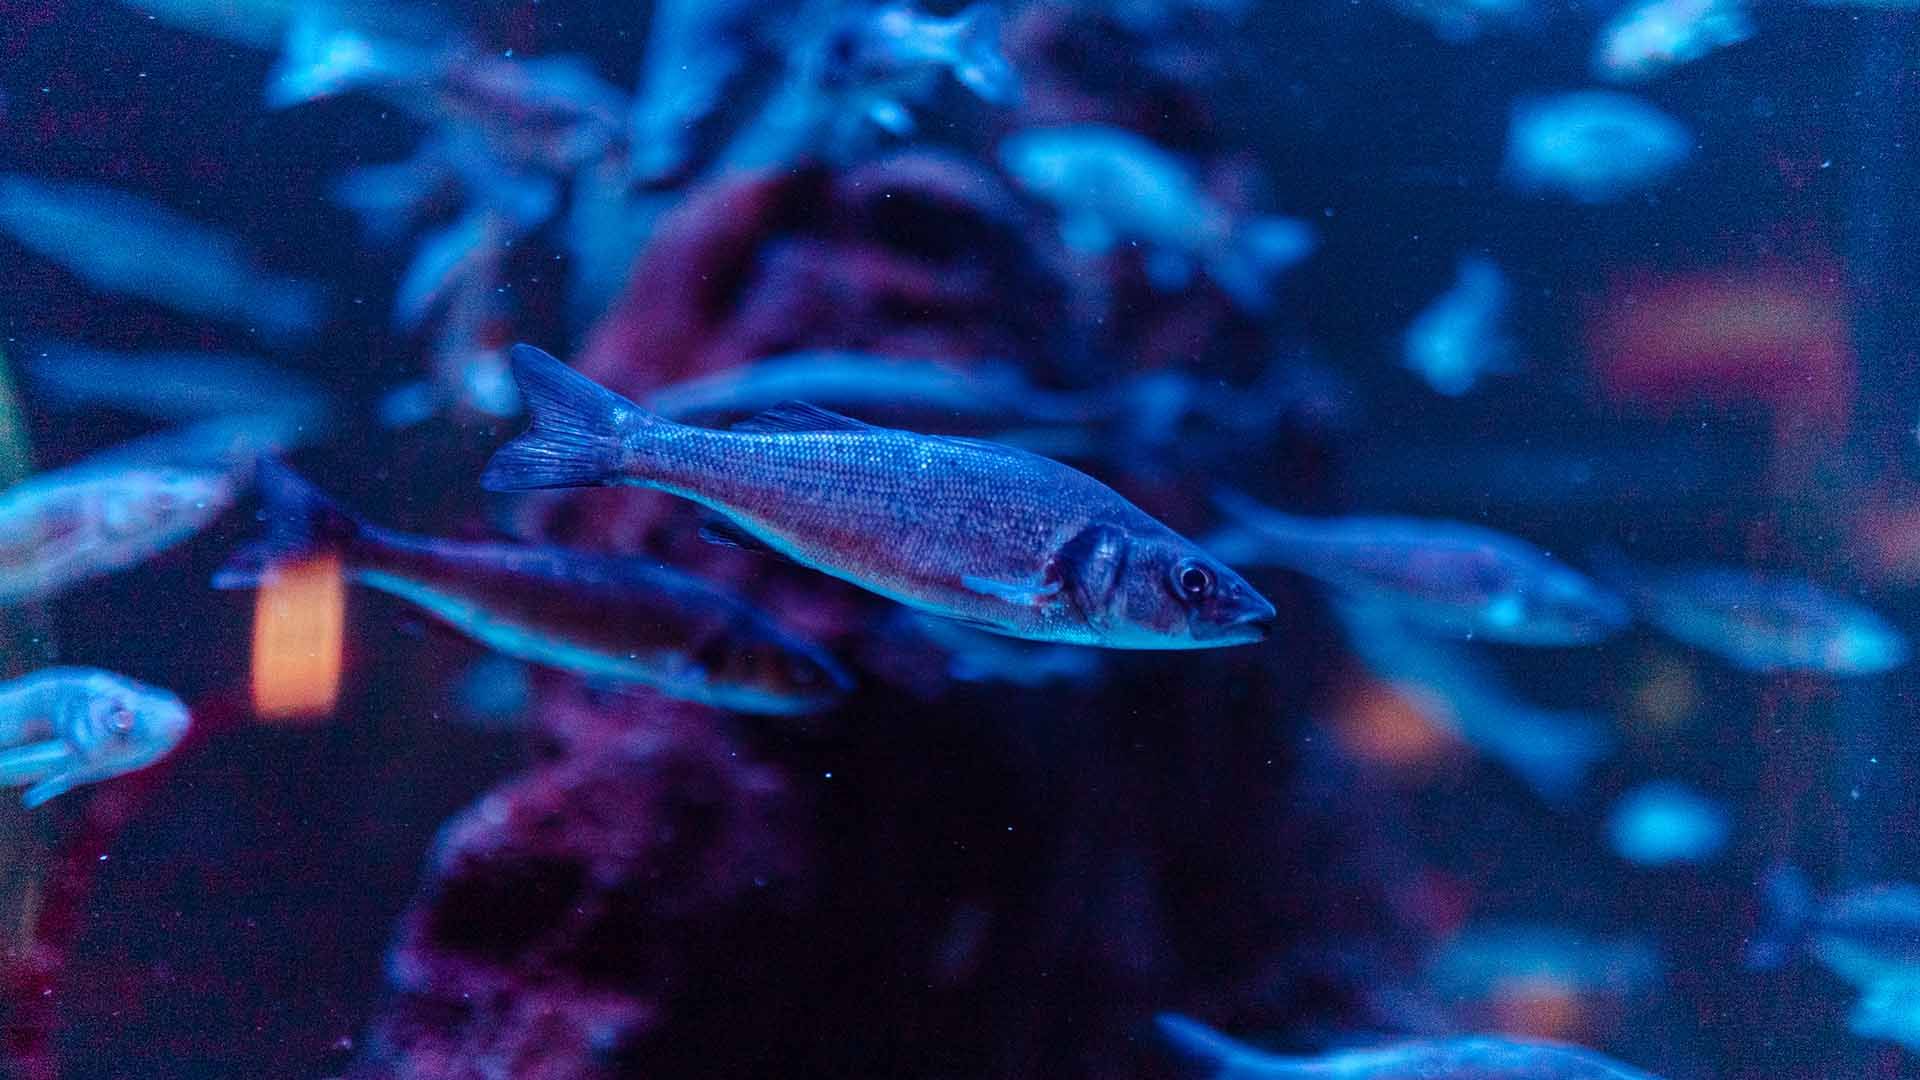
pixel 302 523
pixel 1786 906
pixel 576 438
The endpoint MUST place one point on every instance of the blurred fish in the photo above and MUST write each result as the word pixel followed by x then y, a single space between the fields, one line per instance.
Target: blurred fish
pixel 1550 750
pixel 614 619
pixel 389 198
pixel 1757 622
pixel 263 24
pixel 1458 22
pixel 324 58
pixel 120 243
pixel 170 385
pixel 1112 186
pixel 1593 146
pixel 1664 822
pixel 1869 936
pixel 1003 539
pixel 1462 335
pixel 697 53
pixel 64 727
pixel 229 445
pixel 1441 576
pixel 1212 1055
pixel 1648 38
pixel 986 393
pixel 89 520
pixel 895 41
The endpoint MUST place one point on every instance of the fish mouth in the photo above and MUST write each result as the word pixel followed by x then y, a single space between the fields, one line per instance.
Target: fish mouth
pixel 1245 628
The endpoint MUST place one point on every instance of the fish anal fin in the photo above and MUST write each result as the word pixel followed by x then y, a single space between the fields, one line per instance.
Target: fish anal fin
pixel 800 416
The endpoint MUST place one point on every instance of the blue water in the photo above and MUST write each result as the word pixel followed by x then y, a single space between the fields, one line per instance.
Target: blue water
pixel 469 868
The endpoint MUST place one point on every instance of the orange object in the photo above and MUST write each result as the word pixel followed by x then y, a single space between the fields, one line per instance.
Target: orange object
pixel 299 629
pixel 1391 725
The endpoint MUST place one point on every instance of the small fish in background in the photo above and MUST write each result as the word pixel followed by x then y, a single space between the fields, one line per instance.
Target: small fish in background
pixel 1550 750
pixel 92 519
pixel 1592 146
pixel 619 620
pixel 64 727
pixel 228 445
pixel 1111 186
pixel 990 394
pixel 1654 36
pixel 123 244
pixel 1869 936
pixel 1462 336
pixel 1461 22
pixel 1444 577
pixel 264 24
pixel 1210 1055
pixel 169 385
pixel 323 59
pixel 1003 539
pixel 1757 622
pixel 897 42
pixel 389 198
pixel 698 53
pixel 1664 823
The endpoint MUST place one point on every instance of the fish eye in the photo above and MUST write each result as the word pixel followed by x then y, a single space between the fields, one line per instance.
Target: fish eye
pixel 1193 581
pixel 121 720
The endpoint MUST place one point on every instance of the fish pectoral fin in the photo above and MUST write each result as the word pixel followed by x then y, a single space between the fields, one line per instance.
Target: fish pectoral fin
pixel 25 764
pixel 1013 592
pixel 800 416
pixel 52 786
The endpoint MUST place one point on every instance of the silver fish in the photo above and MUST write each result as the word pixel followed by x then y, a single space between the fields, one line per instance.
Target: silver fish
pixel 120 243
pixel 1443 576
pixel 621 620
pixel 64 727
pixel 1758 622
pixel 170 385
pixel 90 520
pixel 1006 540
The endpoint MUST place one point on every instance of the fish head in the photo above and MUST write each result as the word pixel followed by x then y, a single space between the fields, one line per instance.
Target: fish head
pixel 1157 590
pixel 116 727
pixel 162 501
pixel 123 726
pixel 1866 646
pixel 773 672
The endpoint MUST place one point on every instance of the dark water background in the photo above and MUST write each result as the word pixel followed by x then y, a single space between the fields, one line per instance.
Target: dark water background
pixel 240 926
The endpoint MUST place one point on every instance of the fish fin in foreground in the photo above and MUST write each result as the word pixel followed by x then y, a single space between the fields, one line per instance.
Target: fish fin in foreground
pixel 576 434
pixel 301 523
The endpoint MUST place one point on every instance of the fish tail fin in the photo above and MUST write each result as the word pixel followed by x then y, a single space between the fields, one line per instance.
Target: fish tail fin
pixel 578 425
pixel 1786 903
pixel 301 523
pixel 977 60
pixel 1204 1052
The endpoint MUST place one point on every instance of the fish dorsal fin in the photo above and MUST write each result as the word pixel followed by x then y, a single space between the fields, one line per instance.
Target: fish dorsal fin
pixel 800 416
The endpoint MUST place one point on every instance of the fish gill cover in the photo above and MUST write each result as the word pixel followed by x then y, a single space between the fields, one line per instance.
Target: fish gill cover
pixel 1032 538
